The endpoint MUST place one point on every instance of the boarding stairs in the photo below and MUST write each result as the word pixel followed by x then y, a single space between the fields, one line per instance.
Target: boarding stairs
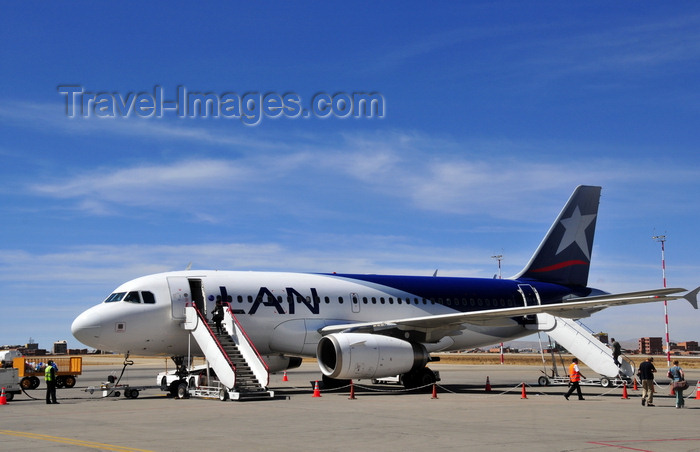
pixel 241 371
pixel 586 347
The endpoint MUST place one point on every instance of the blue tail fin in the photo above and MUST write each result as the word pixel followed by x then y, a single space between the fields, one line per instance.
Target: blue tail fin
pixel 564 256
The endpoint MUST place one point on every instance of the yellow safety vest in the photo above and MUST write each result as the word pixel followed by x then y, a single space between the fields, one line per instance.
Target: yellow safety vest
pixel 48 375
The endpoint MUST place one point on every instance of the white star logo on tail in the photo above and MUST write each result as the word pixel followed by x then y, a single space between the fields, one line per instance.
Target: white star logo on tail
pixel 576 226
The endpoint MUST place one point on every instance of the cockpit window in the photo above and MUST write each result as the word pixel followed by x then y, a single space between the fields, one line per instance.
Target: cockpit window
pixel 133 297
pixel 148 297
pixel 116 296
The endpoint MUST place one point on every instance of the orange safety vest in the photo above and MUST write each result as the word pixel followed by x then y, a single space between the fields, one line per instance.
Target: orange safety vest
pixel 573 374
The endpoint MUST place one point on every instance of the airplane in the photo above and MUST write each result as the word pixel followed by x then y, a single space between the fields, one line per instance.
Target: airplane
pixel 367 326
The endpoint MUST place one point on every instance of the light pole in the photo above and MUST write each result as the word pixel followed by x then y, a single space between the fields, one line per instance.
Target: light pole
pixel 499 257
pixel 662 239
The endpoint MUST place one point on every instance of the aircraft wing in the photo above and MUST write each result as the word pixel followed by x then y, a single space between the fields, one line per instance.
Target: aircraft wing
pixel 571 308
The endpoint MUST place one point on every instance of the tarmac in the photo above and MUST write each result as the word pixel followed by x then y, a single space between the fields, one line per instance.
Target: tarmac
pixel 463 416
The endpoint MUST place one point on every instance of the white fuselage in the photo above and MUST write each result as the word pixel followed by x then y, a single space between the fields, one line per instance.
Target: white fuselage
pixel 282 313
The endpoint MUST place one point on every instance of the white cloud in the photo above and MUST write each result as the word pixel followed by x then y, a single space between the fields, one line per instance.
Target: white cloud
pixel 462 179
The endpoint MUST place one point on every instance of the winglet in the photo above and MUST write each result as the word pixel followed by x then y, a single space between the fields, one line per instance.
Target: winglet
pixel 692 297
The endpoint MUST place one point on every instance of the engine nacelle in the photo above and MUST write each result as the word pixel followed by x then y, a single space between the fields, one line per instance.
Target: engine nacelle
pixel 362 355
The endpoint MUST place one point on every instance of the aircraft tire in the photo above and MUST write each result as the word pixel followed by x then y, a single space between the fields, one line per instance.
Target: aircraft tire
pixel 173 388
pixel 223 395
pixel 419 378
pixel 605 382
pixel 182 392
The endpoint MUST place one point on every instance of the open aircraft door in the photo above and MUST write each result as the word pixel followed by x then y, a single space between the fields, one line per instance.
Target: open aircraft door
pixel 183 291
pixel 529 294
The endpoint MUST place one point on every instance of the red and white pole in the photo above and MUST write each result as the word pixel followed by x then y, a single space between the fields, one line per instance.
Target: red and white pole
pixel 662 239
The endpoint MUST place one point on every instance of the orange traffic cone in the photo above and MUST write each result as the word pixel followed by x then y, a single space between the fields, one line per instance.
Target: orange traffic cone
pixel 3 397
pixel 697 391
pixel 317 391
pixel 634 387
pixel 284 378
pixel 434 391
pixel 624 391
pixel 488 385
pixel 352 391
pixel 524 395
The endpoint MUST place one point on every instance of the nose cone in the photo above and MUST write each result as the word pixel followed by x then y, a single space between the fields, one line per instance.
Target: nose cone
pixel 87 327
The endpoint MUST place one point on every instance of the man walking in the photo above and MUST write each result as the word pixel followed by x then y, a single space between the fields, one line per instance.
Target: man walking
pixel 646 374
pixel 575 379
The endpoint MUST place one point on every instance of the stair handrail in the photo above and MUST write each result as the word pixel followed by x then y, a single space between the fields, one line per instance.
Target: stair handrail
pixel 213 336
pixel 250 343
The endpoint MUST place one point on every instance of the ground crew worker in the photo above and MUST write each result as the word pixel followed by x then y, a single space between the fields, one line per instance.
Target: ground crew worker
pixel 575 379
pixel 50 379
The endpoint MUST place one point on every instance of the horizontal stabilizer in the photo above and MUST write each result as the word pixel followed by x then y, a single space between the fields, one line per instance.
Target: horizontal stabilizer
pixel 692 297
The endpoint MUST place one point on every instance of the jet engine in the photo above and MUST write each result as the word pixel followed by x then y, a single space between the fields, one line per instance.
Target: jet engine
pixel 362 355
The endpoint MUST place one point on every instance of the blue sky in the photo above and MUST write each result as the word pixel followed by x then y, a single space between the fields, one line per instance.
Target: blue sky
pixel 494 112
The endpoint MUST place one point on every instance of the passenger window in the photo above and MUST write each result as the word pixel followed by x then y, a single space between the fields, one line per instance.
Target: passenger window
pixel 132 297
pixel 340 300
pixel 148 297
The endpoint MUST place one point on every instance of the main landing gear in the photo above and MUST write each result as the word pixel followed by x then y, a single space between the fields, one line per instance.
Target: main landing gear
pixel 178 388
pixel 418 378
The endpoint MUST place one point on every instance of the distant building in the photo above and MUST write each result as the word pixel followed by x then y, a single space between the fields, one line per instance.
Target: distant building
pixel 651 346
pixel 60 347
pixel 688 346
